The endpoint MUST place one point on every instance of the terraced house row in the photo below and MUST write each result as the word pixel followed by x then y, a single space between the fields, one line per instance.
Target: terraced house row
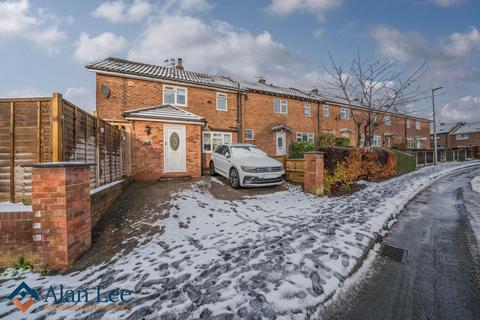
pixel 177 117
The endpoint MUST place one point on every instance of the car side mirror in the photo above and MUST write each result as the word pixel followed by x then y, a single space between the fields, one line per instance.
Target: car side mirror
pixel 227 155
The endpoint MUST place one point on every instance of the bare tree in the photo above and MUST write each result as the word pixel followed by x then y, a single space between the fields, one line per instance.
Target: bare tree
pixel 377 86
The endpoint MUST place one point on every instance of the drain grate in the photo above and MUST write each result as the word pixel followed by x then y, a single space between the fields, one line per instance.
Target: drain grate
pixel 397 254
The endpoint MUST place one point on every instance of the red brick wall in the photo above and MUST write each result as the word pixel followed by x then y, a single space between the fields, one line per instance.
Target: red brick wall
pixel 102 200
pixel 127 94
pixel 258 115
pixel 15 237
pixel 474 140
pixel 313 174
pixel 61 205
pixel 148 159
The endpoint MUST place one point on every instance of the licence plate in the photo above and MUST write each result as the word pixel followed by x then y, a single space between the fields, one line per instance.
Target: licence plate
pixel 270 175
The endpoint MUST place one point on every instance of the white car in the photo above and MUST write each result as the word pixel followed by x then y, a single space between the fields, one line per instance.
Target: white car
pixel 245 165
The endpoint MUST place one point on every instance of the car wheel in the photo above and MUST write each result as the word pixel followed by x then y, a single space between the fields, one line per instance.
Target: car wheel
pixel 212 169
pixel 234 178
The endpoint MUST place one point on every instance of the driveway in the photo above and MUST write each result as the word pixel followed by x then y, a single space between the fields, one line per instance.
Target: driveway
pixel 441 279
pixel 206 251
pixel 132 217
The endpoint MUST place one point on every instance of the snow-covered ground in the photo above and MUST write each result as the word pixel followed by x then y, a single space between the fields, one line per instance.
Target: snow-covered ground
pixel 471 200
pixel 476 184
pixel 275 256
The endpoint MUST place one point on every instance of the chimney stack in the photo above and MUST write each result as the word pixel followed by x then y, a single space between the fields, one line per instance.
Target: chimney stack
pixel 179 65
pixel 262 81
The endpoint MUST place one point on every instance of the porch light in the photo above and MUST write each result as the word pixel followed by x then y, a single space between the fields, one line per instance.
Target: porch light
pixel 148 130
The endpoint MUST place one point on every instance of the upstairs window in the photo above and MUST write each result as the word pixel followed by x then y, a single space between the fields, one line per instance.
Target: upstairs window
pixel 418 125
pixel 462 136
pixel 409 124
pixel 344 113
pixel 307 110
pixel 221 101
pixel 176 96
pixel 248 134
pixel 280 106
pixel 326 111
pixel 387 120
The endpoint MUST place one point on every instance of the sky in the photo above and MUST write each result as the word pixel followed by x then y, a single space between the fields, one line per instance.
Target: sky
pixel 45 44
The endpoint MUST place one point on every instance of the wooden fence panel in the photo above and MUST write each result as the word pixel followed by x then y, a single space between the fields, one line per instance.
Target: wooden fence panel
pixel 5 149
pixel 294 170
pixel 36 130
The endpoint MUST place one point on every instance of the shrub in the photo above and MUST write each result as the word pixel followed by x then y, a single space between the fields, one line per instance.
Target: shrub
pixel 342 142
pixel 326 139
pixel 21 264
pixel 300 147
pixel 344 166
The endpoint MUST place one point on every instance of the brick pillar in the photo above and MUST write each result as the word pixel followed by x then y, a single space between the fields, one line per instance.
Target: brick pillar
pixel 61 212
pixel 313 173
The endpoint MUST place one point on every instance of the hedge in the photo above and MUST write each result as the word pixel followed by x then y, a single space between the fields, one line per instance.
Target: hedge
pixel 344 166
pixel 405 161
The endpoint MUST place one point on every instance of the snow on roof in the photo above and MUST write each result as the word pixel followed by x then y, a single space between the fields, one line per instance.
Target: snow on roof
pixel 133 68
pixel 468 128
pixel 164 112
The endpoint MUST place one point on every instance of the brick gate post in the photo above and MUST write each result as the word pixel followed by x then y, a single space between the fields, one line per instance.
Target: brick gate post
pixel 61 212
pixel 313 172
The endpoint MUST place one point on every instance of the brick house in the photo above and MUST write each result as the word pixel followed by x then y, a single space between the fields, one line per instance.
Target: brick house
pixel 460 134
pixel 202 111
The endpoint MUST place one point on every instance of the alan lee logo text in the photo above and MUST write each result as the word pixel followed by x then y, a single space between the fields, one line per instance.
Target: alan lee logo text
pixel 62 295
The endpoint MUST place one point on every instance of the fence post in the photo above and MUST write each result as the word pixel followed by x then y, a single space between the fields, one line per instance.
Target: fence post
pixel 57 127
pixel 12 151
pixel 313 173
pixel 97 150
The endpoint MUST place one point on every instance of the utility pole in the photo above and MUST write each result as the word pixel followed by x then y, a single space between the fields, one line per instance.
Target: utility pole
pixel 434 126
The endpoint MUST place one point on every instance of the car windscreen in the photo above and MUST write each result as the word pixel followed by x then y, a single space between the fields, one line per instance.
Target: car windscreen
pixel 247 151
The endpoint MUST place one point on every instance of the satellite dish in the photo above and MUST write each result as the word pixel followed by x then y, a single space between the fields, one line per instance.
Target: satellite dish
pixel 105 91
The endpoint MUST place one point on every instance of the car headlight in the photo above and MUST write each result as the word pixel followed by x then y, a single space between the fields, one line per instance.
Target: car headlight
pixel 249 169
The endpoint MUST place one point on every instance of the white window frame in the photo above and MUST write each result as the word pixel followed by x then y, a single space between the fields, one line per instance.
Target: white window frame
pixel 219 94
pixel 418 125
pixel 408 124
pixel 299 137
pixel 212 133
pixel 167 87
pixel 326 111
pixel 281 103
pixel 462 136
pixel 376 139
pixel 387 120
pixel 307 106
pixel 245 134
pixel 344 113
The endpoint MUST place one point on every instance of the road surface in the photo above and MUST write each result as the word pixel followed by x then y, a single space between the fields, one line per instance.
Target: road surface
pixel 441 278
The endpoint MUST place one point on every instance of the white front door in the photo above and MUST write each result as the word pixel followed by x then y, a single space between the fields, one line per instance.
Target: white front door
pixel 175 148
pixel 280 141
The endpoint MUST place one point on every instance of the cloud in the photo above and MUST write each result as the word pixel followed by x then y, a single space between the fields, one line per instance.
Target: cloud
pixel 82 97
pixel 317 7
pixel 25 93
pixel 214 48
pixel 464 109
pixel 460 45
pixel 452 59
pixel 119 12
pixel 448 3
pixel 106 44
pixel 399 46
pixel 18 21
